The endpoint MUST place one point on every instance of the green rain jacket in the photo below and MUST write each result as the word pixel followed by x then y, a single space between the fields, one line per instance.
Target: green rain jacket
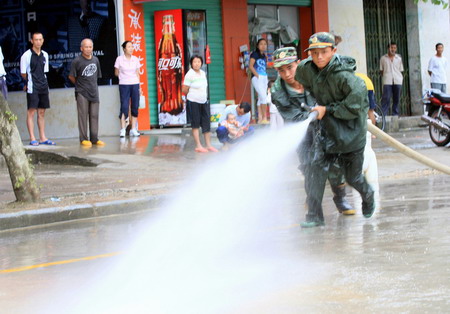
pixel 293 108
pixel 296 108
pixel 344 126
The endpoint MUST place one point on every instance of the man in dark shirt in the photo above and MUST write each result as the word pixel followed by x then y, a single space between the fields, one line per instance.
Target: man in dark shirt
pixel 84 72
pixel 33 66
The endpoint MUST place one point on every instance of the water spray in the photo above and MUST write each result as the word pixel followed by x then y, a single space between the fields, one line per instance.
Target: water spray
pixel 406 150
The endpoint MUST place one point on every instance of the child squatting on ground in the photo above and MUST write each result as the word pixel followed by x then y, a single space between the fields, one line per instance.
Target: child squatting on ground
pixel 342 106
pixel 234 129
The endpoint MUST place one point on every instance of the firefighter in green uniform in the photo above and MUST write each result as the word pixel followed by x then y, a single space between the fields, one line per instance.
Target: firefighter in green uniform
pixel 294 104
pixel 342 107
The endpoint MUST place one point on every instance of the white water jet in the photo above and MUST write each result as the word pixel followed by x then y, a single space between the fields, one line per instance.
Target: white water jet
pixel 219 245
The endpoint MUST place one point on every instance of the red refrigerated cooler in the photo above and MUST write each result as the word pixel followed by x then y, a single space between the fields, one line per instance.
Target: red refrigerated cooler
pixel 179 34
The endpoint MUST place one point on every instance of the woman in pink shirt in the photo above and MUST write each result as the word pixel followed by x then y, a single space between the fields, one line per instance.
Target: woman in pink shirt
pixel 127 69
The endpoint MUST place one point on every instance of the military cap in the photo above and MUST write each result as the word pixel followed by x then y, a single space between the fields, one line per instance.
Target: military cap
pixel 321 40
pixel 283 56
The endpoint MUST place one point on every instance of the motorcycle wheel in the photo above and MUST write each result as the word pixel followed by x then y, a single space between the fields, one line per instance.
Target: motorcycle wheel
pixel 379 118
pixel 438 137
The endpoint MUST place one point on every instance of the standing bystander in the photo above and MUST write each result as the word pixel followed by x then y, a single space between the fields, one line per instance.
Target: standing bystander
pixel 33 66
pixel 437 68
pixel 391 68
pixel 195 86
pixel 3 87
pixel 127 69
pixel 84 72
pixel 258 66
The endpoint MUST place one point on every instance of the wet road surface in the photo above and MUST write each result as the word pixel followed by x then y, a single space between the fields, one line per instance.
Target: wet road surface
pixel 397 261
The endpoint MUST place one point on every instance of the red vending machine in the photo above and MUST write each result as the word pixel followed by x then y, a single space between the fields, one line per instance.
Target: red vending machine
pixel 179 34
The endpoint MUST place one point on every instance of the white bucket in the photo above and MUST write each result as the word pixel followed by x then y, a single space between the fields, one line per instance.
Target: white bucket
pixel 216 113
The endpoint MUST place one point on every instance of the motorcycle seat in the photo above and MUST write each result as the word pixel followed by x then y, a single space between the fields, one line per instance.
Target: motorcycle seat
pixel 445 98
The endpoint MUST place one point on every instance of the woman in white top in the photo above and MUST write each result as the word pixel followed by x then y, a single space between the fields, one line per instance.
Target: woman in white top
pixel 127 69
pixel 195 87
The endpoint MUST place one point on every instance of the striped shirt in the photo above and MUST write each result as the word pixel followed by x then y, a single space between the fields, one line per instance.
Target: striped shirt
pixel 2 68
pixel 35 66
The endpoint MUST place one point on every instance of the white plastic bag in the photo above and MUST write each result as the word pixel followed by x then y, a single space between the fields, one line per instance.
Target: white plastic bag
pixel 142 102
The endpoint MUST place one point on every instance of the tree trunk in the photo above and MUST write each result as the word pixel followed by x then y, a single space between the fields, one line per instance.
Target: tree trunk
pixel 20 169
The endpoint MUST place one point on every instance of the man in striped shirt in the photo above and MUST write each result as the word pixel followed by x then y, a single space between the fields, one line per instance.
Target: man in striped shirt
pixel 33 66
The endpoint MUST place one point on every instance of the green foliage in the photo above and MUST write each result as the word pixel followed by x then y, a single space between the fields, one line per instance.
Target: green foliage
pixel 435 2
pixel 10 116
pixel 19 182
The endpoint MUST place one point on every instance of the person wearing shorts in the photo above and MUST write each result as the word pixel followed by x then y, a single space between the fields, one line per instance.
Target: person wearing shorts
pixel 33 66
pixel 195 87
pixel 127 69
pixel 258 65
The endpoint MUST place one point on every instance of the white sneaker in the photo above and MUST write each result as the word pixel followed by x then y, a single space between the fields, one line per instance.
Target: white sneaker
pixel 122 132
pixel 134 132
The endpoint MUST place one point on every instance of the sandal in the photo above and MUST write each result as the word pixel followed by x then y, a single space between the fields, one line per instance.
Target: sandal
pixel 34 143
pixel 201 150
pixel 213 149
pixel 47 142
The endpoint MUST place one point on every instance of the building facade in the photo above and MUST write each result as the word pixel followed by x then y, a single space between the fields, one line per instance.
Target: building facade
pixel 230 29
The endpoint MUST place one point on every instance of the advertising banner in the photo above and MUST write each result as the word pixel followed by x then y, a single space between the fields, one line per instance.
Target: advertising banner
pixel 169 66
pixel 134 32
pixel 64 24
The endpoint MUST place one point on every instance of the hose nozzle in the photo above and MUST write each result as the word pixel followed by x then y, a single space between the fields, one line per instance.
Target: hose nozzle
pixel 313 115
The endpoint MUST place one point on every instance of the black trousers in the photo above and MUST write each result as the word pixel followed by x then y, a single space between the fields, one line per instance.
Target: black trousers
pixel 323 165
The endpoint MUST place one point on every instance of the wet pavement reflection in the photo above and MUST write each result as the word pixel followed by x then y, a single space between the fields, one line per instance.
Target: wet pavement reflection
pixel 396 261
pixel 153 145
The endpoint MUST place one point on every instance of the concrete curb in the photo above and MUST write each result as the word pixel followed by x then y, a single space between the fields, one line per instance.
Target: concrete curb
pixel 49 215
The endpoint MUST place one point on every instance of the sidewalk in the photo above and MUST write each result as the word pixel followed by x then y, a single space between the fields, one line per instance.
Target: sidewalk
pixel 135 174
pixel 77 182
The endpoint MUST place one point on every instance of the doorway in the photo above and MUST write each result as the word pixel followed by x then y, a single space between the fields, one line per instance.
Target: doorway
pixel 385 22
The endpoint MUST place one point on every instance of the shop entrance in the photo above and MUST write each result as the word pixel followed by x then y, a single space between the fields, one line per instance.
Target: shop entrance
pixel 386 22
pixel 279 25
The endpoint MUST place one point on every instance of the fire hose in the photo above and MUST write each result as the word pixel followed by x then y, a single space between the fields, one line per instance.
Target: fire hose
pixel 399 146
pixel 406 150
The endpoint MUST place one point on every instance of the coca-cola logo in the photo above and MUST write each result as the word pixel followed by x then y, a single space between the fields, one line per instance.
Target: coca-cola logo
pixel 195 16
pixel 166 63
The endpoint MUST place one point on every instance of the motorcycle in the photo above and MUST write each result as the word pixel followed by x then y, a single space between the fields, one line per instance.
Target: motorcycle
pixel 437 116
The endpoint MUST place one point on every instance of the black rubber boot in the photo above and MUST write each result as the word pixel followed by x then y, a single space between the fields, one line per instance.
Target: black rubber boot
pixel 339 199
pixel 368 204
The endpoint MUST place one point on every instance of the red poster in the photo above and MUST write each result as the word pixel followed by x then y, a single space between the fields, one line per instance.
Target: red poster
pixel 169 66
pixel 134 31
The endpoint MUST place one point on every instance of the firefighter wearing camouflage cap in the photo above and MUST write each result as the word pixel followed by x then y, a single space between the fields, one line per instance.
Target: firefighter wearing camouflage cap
pixel 294 104
pixel 284 56
pixel 342 107
pixel 321 40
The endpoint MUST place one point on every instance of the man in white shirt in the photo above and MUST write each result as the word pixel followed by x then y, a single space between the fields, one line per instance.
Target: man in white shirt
pixel 242 114
pixel 3 87
pixel 391 68
pixel 437 69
